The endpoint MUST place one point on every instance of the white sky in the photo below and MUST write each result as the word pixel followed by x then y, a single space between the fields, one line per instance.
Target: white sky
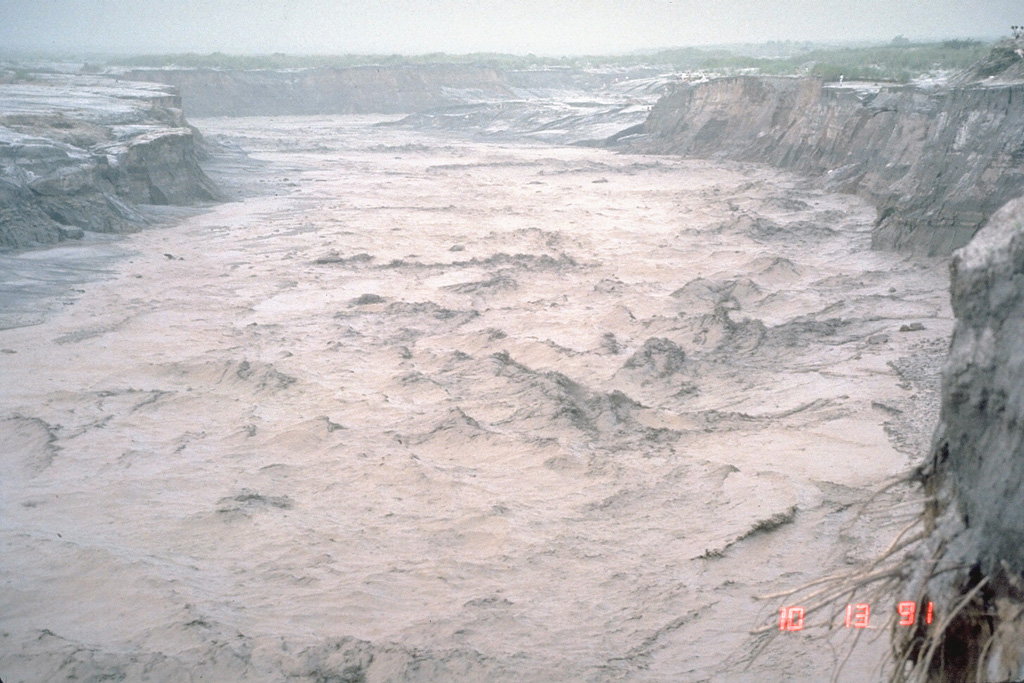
pixel 544 27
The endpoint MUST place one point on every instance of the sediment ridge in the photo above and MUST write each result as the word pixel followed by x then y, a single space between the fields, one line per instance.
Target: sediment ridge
pixel 935 162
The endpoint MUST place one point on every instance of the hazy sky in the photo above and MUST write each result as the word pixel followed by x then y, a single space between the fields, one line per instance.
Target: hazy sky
pixel 548 27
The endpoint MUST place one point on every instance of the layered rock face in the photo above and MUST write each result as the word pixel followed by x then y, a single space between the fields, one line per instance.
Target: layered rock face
pixel 936 163
pixel 356 90
pixel 81 154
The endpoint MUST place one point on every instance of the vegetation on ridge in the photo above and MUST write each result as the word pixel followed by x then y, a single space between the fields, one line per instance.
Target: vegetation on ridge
pixel 898 61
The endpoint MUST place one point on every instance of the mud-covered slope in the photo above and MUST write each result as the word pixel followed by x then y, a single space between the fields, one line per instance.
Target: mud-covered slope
pixel 936 163
pixel 355 90
pixel 82 154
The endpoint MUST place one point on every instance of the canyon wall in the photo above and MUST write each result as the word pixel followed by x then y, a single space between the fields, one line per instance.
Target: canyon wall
pixel 83 154
pixel 936 163
pixel 405 89
pixel 355 90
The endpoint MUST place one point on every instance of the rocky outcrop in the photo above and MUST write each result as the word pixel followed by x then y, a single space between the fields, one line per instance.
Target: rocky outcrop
pixel 82 154
pixel 972 562
pixel 937 163
pixel 354 90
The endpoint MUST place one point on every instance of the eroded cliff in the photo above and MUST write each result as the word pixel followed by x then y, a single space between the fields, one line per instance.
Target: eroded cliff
pixel 936 163
pixel 971 563
pixel 561 105
pixel 354 90
pixel 83 153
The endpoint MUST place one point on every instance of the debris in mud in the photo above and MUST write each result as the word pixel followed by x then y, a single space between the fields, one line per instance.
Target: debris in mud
pixel 525 261
pixel 247 501
pixel 776 270
pixel 609 286
pixel 805 331
pixel 702 293
pixel 531 262
pixel 762 526
pixel 658 356
pixel 331 425
pixel 686 390
pixel 787 204
pixel 560 398
pixel 609 344
pixel 30 443
pixel 696 291
pixel 770 524
pixel 333 258
pixel 718 331
pixel 891 410
pixel 367 299
pixel 265 376
pixel 494 284
pixel 431 310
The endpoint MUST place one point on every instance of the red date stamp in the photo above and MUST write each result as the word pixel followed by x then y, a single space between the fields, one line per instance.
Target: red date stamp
pixel 858 615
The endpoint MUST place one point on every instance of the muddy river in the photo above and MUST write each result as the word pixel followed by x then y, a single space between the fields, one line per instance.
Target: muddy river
pixel 428 408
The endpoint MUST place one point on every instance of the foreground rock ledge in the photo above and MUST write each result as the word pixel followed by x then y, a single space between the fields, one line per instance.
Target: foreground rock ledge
pixel 974 556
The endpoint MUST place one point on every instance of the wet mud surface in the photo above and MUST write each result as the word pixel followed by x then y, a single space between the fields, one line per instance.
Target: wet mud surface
pixel 427 408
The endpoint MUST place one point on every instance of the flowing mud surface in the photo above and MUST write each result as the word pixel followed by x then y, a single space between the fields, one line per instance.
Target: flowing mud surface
pixel 436 409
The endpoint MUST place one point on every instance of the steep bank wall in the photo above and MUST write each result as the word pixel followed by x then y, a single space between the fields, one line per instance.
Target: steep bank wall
pixel 974 554
pixel 82 154
pixel 356 90
pixel 936 163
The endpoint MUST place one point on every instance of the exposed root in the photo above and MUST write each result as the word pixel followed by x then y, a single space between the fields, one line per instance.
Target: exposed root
pixel 978 640
pixel 937 636
pixel 921 672
pixel 979 673
pixel 903 478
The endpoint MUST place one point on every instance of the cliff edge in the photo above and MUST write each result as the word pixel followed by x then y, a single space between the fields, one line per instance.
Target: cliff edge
pixel 935 162
pixel 79 153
